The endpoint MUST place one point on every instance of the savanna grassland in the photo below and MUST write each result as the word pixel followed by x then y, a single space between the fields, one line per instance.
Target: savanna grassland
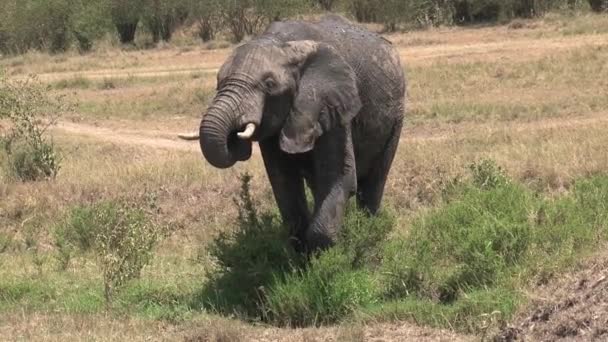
pixel 499 186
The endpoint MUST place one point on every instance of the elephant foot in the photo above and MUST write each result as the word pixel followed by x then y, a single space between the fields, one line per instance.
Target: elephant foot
pixel 298 244
pixel 318 241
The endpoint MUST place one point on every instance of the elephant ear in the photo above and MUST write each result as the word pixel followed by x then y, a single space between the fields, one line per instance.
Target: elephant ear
pixel 327 83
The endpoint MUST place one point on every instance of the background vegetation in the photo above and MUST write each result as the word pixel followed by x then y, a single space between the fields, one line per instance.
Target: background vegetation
pixel 56 25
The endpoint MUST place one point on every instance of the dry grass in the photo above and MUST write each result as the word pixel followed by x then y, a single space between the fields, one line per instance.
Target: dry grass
pixel 533 99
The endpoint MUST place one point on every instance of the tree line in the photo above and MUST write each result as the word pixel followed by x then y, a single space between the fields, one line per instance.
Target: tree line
pixel 57 25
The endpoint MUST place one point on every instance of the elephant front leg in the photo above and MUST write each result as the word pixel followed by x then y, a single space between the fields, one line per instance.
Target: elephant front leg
pixel 288 188
pixel 335 182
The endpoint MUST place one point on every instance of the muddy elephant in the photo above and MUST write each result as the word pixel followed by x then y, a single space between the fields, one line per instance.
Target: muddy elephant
pixel 325 101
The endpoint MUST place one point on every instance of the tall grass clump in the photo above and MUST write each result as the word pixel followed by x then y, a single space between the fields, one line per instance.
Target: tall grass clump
pixel 258 275
pixel 247 259
pixel 120 235
pixel 26 152
pixel 336 282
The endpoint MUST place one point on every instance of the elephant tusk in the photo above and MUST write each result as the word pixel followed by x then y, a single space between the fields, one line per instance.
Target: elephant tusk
pixel 248 132
pixel 189 136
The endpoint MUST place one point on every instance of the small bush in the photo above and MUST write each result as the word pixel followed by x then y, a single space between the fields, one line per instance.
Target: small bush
pixel 259 276
pixel 248 260
pixel 27 153
pixel 326 292
pixel 31 162
pixel 487 175
pixel 121 236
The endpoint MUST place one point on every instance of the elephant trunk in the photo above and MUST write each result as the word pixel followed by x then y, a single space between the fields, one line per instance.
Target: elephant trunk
pixel 220 140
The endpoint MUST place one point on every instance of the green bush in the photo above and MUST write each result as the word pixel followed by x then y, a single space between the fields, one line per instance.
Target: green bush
pixel 248 260
pixel 26 153
pixel 121 235
pixel 325 292
pixel 259 276
pixel 32 161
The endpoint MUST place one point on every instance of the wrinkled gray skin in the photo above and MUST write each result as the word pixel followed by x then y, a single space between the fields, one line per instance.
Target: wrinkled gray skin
pixel 327 99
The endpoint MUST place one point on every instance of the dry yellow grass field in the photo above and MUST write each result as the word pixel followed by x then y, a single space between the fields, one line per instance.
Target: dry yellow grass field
pixel 534 99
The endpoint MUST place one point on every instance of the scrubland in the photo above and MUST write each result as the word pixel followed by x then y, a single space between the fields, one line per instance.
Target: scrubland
pixel 499 187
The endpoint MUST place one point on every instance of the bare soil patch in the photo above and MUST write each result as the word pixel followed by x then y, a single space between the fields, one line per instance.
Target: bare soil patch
pixel 566 307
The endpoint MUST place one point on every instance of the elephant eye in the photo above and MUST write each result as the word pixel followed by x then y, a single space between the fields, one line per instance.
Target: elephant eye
pixel 270 83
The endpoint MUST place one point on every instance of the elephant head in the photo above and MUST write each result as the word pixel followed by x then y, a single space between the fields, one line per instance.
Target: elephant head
pixel 296 90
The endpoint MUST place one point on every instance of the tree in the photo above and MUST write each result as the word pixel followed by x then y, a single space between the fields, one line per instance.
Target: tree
pixel 326 5
pixel 206 16
pixel 365 11
pixel 125 16
pixel 162 17
pixel 249 17
pixel 90 21
pixel 598 5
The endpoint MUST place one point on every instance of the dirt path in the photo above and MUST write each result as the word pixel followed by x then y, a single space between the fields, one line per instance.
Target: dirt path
pixel 148 139
pixel 419 134
pixel 411 55
pixel 126 73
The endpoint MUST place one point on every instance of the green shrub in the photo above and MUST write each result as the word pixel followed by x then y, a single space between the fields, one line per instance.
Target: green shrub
pixel 338 281
pixel 259 276
pixel 32 161
pixel 121 236
pixel 28 155
pixel 325 292
pixel 487 175
pixel 248 260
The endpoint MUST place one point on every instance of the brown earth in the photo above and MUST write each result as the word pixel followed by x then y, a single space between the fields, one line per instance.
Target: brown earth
pixel 567 307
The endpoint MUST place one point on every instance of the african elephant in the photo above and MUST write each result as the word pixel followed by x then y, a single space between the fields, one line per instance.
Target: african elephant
pixel 325 100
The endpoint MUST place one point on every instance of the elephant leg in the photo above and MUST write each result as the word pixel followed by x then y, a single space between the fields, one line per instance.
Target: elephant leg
pixel 288 188
pixel 371 188
pixel 335 181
